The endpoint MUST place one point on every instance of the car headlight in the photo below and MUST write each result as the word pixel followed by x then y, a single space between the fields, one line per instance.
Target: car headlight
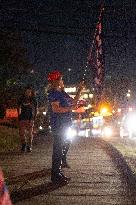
pixel 70 133
pixel 107 132
pixel 40 127
pixel 131 123
pixel 96 131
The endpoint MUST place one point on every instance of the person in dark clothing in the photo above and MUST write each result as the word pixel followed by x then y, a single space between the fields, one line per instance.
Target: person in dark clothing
pixel 66 141
pixel 60 110
pixel 27 110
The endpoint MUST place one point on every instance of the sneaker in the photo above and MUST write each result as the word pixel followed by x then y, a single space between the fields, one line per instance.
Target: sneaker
pixel 29 149
pixel 65 165
pixel 23 148
pixel 60 179
pixel 66 178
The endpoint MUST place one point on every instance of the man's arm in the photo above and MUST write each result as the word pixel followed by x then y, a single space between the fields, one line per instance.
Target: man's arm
pixel 80 88
pixel 58 109
pixel 19 111
pixel 19 106
pixel 35 108
pixel 76 98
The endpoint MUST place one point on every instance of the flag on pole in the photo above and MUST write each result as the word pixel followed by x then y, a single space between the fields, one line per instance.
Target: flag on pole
pixel 95 57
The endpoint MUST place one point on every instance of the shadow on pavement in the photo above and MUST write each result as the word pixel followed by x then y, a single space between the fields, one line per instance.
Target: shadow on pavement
pixel 29 176
pixel 35 191
pixel 10 153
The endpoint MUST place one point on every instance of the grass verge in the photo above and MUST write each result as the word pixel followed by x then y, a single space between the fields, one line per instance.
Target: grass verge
pixel 9 138
pixel 127 147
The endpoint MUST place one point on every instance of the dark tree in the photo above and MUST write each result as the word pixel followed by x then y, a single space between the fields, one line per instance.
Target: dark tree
pixel 13 60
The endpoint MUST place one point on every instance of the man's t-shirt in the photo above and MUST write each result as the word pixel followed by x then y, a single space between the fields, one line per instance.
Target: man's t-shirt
pixel 59 120
pixel 28 107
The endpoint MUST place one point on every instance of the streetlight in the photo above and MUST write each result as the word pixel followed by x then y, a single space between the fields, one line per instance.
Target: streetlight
pixel 90 95
pixel 69 70
pixel 130 109
pixel 128 95
pixel 85 96
pixel 119 110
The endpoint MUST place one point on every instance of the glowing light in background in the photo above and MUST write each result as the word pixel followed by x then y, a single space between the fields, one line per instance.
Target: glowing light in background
pixel 130 109
pixel 119 110
pixel 128 95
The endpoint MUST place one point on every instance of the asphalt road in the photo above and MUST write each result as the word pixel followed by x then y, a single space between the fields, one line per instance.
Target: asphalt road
pixel 98 175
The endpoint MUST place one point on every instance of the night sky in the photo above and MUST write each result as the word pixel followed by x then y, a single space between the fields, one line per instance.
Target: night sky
pixel 59 33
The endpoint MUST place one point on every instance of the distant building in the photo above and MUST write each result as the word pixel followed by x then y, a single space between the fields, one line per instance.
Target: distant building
pixel 72 90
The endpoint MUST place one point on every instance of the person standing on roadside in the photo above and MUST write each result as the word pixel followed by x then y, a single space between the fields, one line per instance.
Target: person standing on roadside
pixel 27 110
pixel 60 110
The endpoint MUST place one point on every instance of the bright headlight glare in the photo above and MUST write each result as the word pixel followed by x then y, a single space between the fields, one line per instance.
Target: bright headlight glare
pixel 131 123
pixel 40 128
pixel 71 133
pixel 107 132
pixel 96 131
